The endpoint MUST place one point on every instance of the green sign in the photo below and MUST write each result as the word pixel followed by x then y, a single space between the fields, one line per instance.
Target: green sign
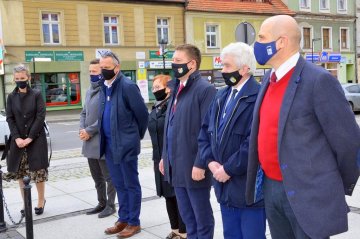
pixel 69 56
pixel 54 55
pixel 154 55
pixel 30 55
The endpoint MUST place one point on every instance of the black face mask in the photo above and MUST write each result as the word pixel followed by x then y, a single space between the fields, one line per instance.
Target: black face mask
pixel 108 74
pixel 180 69
pixel 231 78
pixel 160 94
pixel 21 84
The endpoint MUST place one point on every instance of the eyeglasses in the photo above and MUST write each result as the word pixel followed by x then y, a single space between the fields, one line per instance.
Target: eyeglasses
pixel 104 54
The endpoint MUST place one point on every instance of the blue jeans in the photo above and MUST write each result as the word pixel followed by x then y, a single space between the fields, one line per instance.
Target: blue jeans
pixel 281 218
pixel 196 212
pixel 125 178
pixel 243 223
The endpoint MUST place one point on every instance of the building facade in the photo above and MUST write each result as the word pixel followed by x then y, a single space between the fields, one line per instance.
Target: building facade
pixel 58 39
pixel 328 34
pixel 214 24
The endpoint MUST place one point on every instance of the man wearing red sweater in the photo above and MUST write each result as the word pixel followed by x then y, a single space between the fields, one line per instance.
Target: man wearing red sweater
pixel 304 139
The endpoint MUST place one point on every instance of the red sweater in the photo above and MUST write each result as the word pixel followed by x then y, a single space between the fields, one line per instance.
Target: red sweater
pixel 268 127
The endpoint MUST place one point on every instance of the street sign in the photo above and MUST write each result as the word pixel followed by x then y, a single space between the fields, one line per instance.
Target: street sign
pixel 313 58
pixel 324 56
pixel 159 65
pixel 30 55
pixel 217 63
pixel 154 55
pixel 334 57
pixel 69 56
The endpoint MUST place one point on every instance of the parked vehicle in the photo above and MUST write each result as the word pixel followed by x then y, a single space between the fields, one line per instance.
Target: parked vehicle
pixel 352 94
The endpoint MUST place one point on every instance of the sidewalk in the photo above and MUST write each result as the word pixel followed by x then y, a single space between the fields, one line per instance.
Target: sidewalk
pixel 70 192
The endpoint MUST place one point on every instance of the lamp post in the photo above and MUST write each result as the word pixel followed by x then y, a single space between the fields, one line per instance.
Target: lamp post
pixel 163 43
pixel 312 48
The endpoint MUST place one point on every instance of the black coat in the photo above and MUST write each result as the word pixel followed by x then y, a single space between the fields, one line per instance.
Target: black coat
pixel 156 131
pixel 25 114
pixel 192 105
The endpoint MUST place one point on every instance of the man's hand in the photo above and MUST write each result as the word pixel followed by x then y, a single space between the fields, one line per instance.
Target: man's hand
pixel 213 166
pixel 27 141
pixel 20 142
pixel 197 173
pixel 84 135
pixel 161 167
pixel 220 175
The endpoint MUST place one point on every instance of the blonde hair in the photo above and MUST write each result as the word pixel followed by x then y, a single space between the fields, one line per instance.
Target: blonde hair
pixel 21 68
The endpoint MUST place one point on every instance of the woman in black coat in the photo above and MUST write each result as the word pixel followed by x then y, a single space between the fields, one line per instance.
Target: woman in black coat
pixel 25 114
pixel 156 130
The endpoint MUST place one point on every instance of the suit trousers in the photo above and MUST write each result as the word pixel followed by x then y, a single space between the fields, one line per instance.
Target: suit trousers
pixel 281 218
pixel 196 212
pixel 101 177
pixel 243 223
pixel 125 178
pixel 176 221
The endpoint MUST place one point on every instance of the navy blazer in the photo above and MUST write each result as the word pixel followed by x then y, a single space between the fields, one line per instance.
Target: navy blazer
pixel 192 105
pixel 128 119
pixel 231 150
pixel 318 145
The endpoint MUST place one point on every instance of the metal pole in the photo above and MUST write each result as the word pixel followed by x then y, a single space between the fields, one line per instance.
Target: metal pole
pixel 312 50
pixel 163 61
pixel 2 221
pixel 28 206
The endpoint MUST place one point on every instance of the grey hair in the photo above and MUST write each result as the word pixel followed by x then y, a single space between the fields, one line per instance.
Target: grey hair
pixel 242 53
pixel 21 68
pixel 112 55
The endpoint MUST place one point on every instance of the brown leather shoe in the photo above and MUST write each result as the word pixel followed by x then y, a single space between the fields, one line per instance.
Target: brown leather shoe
pixel 129 231
pixel 118 227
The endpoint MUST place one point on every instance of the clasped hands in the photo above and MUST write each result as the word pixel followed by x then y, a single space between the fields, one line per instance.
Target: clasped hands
pixel 84 135
pixel 22 143
pixel 218 172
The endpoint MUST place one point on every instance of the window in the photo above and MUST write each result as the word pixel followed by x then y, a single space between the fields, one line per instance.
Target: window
pixel 326 38
pixel 324 4
pixel 211 36
pixel 342 5
pixel 51 28
pixel 163 29
pixel 353 89
pixel 58 89
pixel 344 39
pixel 305 4
pixel 306 37
pixel 111 30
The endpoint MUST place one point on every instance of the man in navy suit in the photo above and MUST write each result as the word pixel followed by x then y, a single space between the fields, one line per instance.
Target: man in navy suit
pixel 304 137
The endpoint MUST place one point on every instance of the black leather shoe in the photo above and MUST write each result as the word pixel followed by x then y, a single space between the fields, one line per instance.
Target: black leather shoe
pixel 22 212
pixel 40 210
pixel 95 210
pixel 107 212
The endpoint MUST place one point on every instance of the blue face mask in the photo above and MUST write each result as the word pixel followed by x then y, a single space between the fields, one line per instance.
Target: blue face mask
pixel 95 78
pixel 264 51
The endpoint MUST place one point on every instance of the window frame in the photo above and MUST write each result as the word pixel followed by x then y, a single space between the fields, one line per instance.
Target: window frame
pixel 342 11
pixel 161 26
pixel 306 8
pixel 347 38
pixel 51 23
pixel 118 32
pixel 324 9
pixel 330 38
pixel 216 33
pixel 311 36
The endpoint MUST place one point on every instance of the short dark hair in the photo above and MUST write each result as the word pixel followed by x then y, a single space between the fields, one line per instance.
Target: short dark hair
pixel 192 52
pixel 112 55
pixel 95 61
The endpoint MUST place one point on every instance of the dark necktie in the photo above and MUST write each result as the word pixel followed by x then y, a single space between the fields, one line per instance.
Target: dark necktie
pixel 177 94
pixel 273 77
pixel 232 97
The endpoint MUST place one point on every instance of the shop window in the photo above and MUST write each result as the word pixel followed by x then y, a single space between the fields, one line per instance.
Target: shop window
pixel 50 28
pixel 58 89
pixel 111 30
pixel 163 29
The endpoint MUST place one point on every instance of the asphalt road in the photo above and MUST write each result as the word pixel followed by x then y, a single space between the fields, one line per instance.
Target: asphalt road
pixel 64 135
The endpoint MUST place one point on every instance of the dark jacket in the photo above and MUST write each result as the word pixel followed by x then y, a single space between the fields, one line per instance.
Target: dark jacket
pixel 318 145
pixel 156 131
pixel 230 149
pixel 89 122
pixel 129 119
pixel 25 114
pixel 192 105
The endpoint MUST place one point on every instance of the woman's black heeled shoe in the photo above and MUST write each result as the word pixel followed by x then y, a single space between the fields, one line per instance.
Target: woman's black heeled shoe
pixel 40 210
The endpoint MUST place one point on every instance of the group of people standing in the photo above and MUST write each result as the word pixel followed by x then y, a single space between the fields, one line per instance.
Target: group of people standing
pixel 287 150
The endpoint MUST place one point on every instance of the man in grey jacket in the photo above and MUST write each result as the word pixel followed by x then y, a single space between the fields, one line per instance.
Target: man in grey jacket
pixel 89 133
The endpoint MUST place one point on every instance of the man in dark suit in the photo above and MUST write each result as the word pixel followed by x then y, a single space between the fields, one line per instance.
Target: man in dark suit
pixel 123 118
pixel 304 137
pixel 180 158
